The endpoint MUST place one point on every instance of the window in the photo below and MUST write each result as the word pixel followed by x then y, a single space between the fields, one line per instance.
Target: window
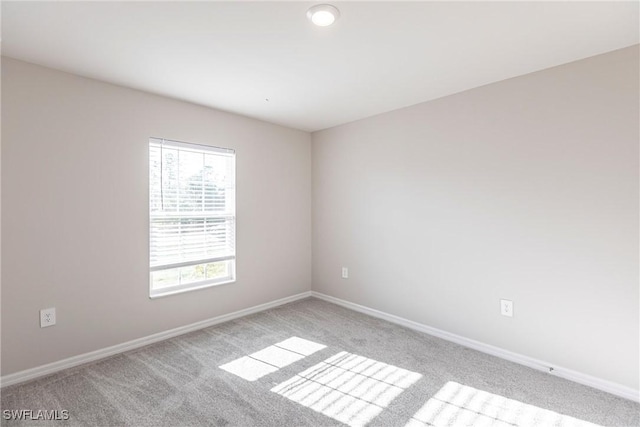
pixel 192 216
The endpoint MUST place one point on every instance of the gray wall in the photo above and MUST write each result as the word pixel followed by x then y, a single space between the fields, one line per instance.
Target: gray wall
pixel 75 213
pixel 526 189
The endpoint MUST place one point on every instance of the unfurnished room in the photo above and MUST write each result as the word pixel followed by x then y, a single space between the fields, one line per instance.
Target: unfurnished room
pixel 352 213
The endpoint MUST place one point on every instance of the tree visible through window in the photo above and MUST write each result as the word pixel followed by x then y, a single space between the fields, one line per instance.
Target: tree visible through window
pixel 192 216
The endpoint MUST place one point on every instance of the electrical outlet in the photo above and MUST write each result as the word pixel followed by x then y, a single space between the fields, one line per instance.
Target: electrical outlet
pixel 47 317
pixel 506 307
pixel 345 273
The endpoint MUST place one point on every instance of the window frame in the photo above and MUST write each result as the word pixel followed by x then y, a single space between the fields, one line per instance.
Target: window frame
pixel 230 259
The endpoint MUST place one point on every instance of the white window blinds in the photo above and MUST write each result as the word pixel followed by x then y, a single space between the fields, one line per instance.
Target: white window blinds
pixel 192 216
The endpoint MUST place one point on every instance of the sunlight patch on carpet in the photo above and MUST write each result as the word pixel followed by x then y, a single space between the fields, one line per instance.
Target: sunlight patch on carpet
pixel 460 405
pixel 349 388
pixel 272 358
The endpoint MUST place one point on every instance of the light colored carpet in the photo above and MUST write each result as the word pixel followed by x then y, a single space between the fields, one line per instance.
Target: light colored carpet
pixel 312 363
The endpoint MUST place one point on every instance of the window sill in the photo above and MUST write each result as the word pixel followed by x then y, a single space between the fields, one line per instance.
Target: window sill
pixel 168 292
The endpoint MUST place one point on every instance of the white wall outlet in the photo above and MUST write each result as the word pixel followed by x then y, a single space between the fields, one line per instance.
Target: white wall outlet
pixel 47 317
pixel 345 273
pixel 506 307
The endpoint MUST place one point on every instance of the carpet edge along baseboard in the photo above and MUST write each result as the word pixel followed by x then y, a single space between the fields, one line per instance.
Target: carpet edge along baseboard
pixel 540 365
pixel 92 356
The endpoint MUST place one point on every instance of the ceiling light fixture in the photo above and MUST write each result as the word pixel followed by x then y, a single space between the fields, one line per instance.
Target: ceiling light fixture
pixel 323 15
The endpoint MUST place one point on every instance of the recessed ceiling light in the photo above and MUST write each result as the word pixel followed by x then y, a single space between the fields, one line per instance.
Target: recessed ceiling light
pixel 323 15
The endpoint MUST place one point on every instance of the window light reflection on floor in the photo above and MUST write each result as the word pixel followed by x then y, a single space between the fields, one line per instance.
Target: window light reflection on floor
pixel 272 358
pixel 459 405
pixel 349 388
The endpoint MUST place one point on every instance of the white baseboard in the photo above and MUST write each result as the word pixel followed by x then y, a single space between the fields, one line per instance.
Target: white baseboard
pixel 540 365
pixel 70 362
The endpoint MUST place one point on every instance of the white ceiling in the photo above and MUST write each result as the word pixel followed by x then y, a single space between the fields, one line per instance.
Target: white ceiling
pixel 378 57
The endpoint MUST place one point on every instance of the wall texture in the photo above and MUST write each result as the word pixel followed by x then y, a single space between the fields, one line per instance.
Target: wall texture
pixel 526 189
pixel 75 213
